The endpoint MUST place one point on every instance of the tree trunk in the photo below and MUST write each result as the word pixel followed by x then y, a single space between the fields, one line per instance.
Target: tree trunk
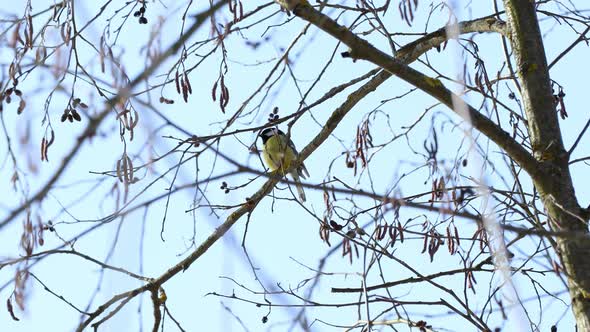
pixel 554 182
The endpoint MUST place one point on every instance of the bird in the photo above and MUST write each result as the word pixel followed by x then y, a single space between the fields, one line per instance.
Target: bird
pixel 279 152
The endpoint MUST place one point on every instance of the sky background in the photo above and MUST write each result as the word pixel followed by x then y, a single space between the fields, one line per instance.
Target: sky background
pixel 282 238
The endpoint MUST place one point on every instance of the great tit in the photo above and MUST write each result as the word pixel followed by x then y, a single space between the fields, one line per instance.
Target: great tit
pixel 278 153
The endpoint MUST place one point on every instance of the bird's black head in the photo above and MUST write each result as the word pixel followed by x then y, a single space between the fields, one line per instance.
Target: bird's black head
pixel 268 133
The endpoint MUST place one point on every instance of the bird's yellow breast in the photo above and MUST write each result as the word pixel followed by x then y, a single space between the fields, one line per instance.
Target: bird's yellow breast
pixel 277 154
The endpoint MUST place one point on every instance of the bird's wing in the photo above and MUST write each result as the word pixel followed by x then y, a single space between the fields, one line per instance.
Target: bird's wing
pixel 301 170
pixel 298 186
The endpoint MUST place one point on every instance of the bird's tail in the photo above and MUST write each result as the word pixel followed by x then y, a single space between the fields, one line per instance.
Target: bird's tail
pixel 298 185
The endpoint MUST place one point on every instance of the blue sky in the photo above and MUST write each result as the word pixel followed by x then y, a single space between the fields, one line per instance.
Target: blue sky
pixel 280 233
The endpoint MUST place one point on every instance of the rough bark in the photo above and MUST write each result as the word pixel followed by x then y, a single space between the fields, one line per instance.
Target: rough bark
pixel 555 184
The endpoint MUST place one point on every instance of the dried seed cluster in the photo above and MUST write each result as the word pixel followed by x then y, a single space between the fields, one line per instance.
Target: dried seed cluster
pixel 127 121
pixel 406 10
pixel 363 142
pixel 125 170
pixel 166 101
pixel 141 14
pixel 183 85
pixel 223 94
pixel 45 144
pixel 224 187
pixel 7 97
pixel 274 115
pixel 70 112
pixel 237 9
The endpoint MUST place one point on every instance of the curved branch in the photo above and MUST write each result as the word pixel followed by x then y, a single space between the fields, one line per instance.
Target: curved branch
pixel 411 280
pixel 413 50
pixel 361 49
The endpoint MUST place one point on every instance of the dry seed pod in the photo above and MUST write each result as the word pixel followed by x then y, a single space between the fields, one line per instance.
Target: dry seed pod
pixel 43 148
pixel 101 59
pixel 62 32
pixel 188 84
pixel 130 169
pixel 21 106
pixel 450 243
pixel 382 231
pixel 214 91
pixel 134 120
pixel 68 34
pixel 11 72
pixel 30 22
pixel 393 233
pixel 360 231
pixel 425 245
pixel 122 114
pixel 76 115
pixel 118 169
pixel 124 168
pixel 15 36
pixel 345 247
pixel 51 139
pixel 28 41
pixel 11 310
pixel 226 96
pixel 335 225
pixel 184 90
